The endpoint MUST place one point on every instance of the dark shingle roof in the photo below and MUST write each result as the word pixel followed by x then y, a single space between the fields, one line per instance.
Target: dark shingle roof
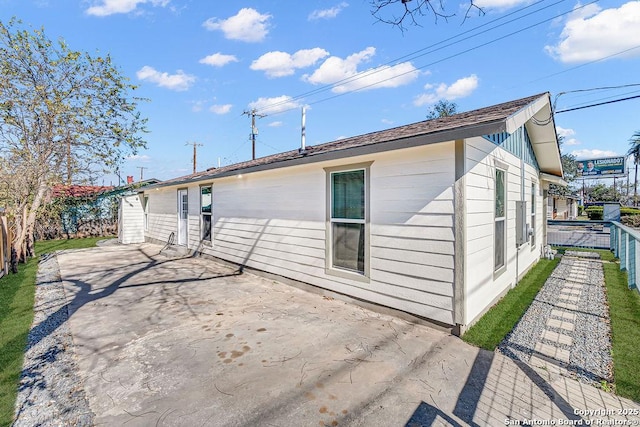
pixel 487 115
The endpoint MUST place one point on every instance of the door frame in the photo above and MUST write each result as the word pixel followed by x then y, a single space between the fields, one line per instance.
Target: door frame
pixel 183 222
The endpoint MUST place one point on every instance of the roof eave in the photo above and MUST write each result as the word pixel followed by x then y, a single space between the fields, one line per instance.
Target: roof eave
pixel 538 118
pixel 396 144
pixel 553 179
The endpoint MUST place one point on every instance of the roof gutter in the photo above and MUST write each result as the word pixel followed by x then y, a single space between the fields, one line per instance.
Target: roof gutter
pixel 553 179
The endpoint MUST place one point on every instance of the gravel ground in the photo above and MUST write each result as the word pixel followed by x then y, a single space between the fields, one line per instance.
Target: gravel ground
pixel 50 392
pixel 590 353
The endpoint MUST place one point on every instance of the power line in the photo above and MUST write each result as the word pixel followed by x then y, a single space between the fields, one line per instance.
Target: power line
pixel 142 168
pixel 604 98
pixel 195 153
pixel 254 130
pixel 448 57
pixel 585 64
pixel 598 104
pixel 419 53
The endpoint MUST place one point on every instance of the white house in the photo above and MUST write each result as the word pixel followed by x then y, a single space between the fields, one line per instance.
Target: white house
pixel 430 218
pixel 562 207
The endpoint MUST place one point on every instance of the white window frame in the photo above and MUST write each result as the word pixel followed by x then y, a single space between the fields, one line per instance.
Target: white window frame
pixel 145 201
pixel 534 189
pixel 183 224
pixel 362 276
pixel 209 214
pixel 503 219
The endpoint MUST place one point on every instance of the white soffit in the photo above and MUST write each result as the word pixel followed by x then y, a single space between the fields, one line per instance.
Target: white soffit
pixel 541 128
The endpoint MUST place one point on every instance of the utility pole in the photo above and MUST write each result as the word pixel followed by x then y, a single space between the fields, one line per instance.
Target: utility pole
pixel 142 168
pixel 254 129
pixel 195 144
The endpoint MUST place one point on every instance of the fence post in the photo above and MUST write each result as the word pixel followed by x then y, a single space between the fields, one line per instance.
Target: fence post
pixel 631 277
pixel 623 250
pixel 612 238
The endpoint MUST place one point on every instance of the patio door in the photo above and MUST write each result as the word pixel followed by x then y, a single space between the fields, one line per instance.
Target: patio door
pixel 183 212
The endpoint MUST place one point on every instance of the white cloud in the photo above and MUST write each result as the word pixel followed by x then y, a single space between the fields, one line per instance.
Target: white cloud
pixel 567 135
pixel 274 105
pixel 592 33
pixel 461 88
pixel 335 69
pixel 387 121
pixel 179 81
pixel 275 124
pixel 111 7
pixel 221 109
pixel 593 154
pixel 218 59
pixel 327 13
pixel 280 64
pixel 248 25
pixel 143 158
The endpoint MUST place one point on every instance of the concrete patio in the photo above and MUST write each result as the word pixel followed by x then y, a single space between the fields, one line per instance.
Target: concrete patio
pixel 163 341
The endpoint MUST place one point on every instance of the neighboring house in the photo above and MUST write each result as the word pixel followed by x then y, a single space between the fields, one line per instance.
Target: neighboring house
pixel 126 196
pixel 79 210
pixel 83 210
pixel 131 225
pixel 429 218
pixel 562 207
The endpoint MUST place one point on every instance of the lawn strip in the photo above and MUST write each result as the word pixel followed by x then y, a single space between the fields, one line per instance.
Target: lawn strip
pixel 624 311
pixel 16 316
pixel 496 323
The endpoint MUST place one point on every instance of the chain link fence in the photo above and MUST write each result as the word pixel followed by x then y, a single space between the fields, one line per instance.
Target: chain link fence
pixel 582 234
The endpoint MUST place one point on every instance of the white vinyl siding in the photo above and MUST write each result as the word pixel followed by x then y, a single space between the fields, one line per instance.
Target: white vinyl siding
pixel 276 221
pixel 482 157
pixel 131 220
pixel 162 214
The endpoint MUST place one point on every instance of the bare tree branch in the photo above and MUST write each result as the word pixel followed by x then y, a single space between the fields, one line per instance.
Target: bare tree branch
pixel 400 13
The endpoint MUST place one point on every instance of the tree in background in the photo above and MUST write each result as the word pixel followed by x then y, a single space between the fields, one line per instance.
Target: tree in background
pixel 400 12
pixel 635 152
pixel 442 108
pixel 603 193
pixel 570 172
pixel 64 116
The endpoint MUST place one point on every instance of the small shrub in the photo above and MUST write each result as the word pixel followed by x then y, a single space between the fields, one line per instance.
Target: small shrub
pixel 595 212
pixel 631 221
pixel 629 211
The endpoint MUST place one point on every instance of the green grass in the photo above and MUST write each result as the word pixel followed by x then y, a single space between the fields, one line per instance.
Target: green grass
pixel 624 309
pixel 16 314
pixel 491 329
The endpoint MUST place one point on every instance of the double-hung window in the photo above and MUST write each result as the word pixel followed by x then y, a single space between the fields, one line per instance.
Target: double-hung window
pixel 348 212
pixel 500 214
pixel 206 209
pixel 533 214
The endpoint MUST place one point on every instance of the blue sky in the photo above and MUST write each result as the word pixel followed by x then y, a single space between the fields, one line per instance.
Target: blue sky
pixel 202 64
